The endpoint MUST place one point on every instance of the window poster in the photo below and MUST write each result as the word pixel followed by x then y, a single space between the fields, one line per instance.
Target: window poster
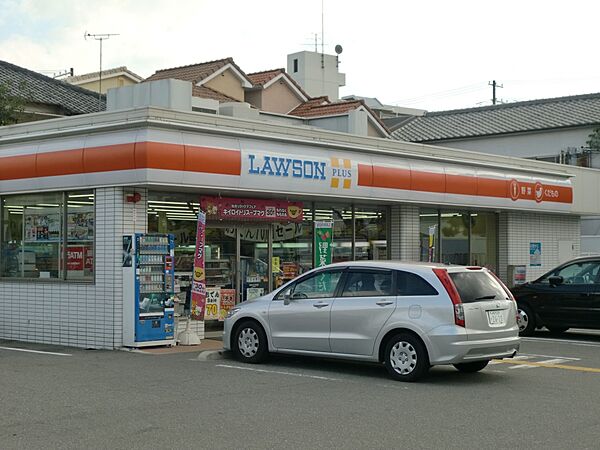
pixel 80 226
pixel 41 226
pixel 226 302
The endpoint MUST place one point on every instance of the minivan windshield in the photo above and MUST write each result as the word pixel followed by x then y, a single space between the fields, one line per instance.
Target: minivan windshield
pixel 477 287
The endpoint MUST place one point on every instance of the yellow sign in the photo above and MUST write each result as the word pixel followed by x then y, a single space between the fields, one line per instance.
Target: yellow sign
pixel 276 264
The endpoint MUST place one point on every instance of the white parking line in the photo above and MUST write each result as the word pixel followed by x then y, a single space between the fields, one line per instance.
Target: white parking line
pixel 316 377
pixel 34 351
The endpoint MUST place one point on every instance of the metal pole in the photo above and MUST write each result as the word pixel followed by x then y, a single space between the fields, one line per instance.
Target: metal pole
pixel 100 88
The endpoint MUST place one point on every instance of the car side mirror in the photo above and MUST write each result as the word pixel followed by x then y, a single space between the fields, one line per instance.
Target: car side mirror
pixel 556 280
pixel 287 298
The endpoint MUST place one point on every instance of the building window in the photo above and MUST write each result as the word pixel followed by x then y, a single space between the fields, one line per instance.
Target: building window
pixel 371 232
pixel 80 235
pixel 459 237
pixel 33 240
pixel 295 65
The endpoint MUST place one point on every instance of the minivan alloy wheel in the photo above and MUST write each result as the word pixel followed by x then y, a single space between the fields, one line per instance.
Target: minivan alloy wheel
pixel 403 357
pixel 248 342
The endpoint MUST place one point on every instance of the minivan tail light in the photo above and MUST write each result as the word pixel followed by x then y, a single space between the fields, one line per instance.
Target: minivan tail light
pixel 459 312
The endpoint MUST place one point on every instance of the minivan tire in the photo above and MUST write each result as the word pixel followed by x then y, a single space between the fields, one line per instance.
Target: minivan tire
pixel 406 358
pixel 250 343
pixel 471 367
pixel 526 314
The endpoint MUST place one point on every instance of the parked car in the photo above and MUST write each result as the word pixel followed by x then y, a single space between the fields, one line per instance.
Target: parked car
pixel 566 297
pixel 409 316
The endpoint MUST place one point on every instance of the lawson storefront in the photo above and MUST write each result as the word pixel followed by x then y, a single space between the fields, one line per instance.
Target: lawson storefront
pixel 71 188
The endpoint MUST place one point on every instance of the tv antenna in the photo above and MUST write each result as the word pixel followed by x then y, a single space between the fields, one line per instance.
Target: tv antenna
pixel 99 37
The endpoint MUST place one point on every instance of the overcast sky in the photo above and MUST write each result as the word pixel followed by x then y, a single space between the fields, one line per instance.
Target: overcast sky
pixel 432 54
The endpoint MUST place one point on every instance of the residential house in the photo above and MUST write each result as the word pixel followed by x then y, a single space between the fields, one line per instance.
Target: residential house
pixel 47 98
pixel 111 78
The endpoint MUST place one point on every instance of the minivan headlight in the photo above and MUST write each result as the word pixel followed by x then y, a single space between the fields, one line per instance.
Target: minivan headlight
pixel 232 312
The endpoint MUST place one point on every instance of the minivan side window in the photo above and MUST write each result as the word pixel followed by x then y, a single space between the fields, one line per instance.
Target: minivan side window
pixel 319 285
pixel 368 283
pixel 412 284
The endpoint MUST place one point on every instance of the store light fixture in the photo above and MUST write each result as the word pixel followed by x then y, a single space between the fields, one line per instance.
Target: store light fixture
pixel 51 205
pixel 90 196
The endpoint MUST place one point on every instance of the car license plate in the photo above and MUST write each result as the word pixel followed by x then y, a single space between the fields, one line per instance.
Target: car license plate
pixel 495 318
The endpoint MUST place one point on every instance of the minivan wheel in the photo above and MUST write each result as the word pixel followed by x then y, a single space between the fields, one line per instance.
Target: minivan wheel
pixel 250 343
pixel 406 358
pixel 525 320
pixel 471 367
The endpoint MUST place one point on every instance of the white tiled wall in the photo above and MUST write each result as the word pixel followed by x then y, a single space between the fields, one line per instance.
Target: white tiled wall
pixel 404 237
pixel 78 314
pixel 518 229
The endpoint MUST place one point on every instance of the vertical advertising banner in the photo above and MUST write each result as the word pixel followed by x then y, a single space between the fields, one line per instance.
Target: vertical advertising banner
pixel 535 253
pixel 323 243
pixel 199 280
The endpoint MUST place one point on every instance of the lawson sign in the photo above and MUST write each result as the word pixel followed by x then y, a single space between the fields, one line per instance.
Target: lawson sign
pixel 282 166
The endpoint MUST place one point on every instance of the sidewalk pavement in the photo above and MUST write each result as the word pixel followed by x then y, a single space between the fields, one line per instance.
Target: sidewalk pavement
pixel 208 344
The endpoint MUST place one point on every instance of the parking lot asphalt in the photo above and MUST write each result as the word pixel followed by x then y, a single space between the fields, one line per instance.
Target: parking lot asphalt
pixel 57 397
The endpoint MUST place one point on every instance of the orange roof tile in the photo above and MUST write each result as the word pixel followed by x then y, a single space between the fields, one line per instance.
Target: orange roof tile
pixel 321 106
pixel 260 78
pixel 206 92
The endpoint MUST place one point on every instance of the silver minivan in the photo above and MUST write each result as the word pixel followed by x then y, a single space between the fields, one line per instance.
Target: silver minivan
pixel 409 316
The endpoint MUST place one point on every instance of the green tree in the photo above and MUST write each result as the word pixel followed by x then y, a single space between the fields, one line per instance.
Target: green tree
pixel 11 106
pixel 593 141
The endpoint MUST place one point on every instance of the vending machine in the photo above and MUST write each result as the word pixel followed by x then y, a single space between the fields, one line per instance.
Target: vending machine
pixel 148 290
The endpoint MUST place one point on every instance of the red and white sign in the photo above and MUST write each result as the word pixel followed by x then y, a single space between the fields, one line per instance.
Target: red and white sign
pixel 76 258
pixel 252 209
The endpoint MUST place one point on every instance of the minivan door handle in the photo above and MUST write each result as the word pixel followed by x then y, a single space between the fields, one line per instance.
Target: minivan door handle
pixel 384 302
pixel 320 305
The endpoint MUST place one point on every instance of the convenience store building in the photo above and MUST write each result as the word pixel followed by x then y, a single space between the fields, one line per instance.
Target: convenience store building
pixel 71 188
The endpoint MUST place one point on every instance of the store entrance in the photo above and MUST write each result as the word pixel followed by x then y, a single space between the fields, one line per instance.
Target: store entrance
pixel 255 277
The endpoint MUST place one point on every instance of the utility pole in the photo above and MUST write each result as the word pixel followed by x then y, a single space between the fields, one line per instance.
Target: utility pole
pixel 494 86
pixel 100 37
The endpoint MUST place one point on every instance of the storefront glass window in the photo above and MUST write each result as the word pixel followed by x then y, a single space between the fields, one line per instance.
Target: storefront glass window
pixel 343 230
pixel 80 235
pixel 454 228
pixel 32 236
pixel 459 237
pixel 484 240
pixel 429 235
pixel 292 249
pixel 371 233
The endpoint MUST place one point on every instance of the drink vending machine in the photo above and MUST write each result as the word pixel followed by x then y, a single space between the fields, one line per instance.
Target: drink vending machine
pixel 148 291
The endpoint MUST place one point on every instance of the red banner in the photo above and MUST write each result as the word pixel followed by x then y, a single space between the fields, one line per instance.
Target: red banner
pixel 75 258
pixel 250 209
pixel 199 280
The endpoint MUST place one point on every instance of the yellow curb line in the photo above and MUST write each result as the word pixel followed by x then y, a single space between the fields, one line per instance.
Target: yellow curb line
pixel 551 366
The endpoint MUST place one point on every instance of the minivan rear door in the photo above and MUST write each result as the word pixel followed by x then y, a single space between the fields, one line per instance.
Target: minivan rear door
pixel 489 312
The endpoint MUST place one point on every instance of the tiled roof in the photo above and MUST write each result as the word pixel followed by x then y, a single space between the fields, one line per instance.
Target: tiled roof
pixel 193 72
pixel 39 88
pixel 322 107
pixel 105 73
pixel 533 115
pixel 305 109
pixel 206 92
pixel 261 78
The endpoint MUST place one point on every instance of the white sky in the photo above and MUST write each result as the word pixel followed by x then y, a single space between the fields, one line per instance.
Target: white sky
pixel 431 54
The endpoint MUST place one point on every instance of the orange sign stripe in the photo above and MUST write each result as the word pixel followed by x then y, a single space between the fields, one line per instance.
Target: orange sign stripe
pixel 406 179
pixel 140 155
